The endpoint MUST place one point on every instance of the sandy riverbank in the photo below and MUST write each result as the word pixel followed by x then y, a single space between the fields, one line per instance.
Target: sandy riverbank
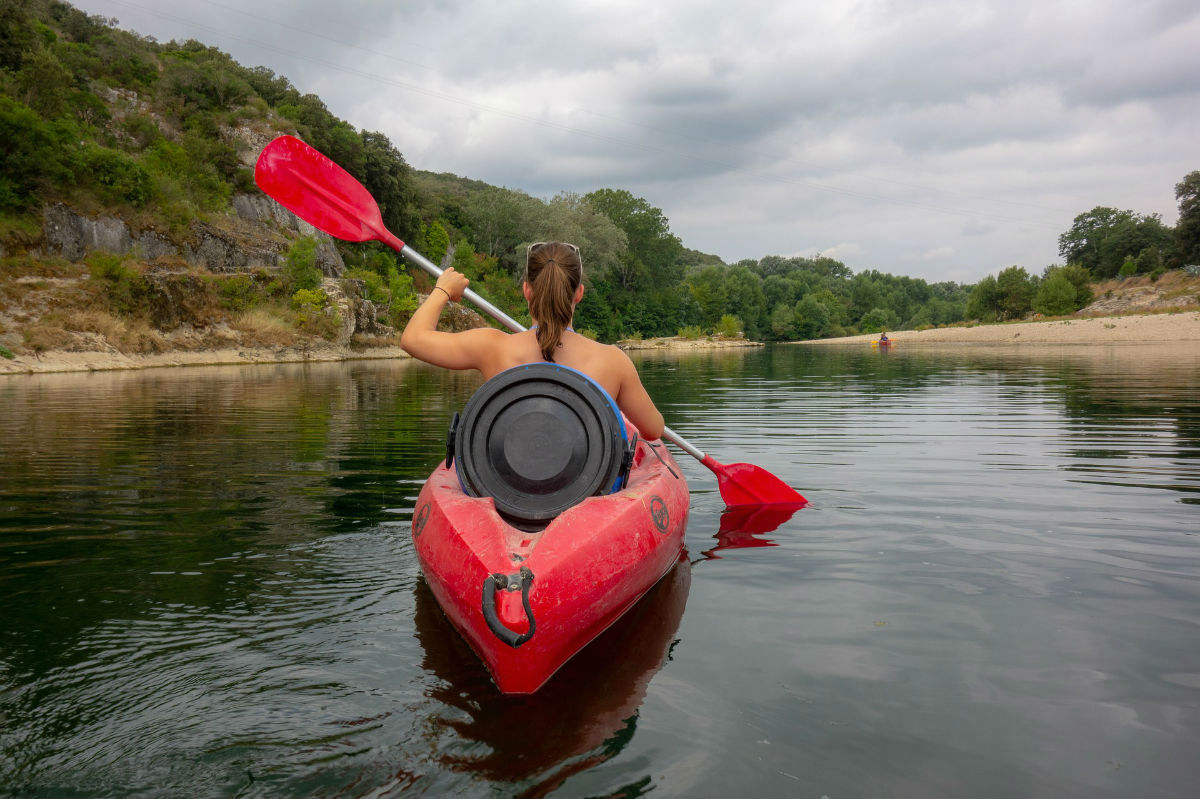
pixel 1143 329
pixel 96 361
pixel 57 361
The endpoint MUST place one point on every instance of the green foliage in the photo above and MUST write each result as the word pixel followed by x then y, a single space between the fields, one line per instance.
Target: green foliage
pixel 308 299
pixel 1149 260
pixel 1129 267
pixel 37 154
pixel 1054 299
pixel 729 326
pixel 782 324
pixel 710 292
pixel 878 320
pixel 1055 295
pixel 1187 229
pixel 119 177
pixel 1015 288
pixel 124 287
pixel 984 302
pixel 652 250
pixel 436 240
pixel 300 265
pixel 43 83
pixel 1102 239
pixel 402 299
pixel 313 314
pixel 5 352
pixel 374 288
pixel 691 332
pixel 240 292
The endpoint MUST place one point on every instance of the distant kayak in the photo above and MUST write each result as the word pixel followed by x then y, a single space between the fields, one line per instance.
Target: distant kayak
pixel 887 343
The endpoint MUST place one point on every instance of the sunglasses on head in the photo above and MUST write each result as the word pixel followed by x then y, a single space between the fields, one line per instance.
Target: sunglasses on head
pixel 531 247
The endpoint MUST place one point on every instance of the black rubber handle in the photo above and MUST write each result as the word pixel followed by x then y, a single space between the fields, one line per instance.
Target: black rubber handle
pixel 508 582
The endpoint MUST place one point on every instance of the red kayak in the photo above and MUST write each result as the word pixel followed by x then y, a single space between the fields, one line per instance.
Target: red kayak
pixel 526 602
pixel 549 519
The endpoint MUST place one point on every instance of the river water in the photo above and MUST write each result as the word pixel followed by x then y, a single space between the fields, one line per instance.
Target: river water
pixel 207 587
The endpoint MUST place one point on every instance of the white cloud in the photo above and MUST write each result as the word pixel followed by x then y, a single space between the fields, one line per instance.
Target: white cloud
pixel 934 254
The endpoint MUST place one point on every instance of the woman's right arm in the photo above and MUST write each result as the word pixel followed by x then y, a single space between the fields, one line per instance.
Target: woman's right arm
pixel 634 401
pixel 470 349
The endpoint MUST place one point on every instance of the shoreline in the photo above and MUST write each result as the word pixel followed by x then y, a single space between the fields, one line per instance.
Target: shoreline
pixel 1159 328
pixel 96 361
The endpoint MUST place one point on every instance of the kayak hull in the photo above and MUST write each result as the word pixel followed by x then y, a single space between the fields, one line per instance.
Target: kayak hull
pixel 584 569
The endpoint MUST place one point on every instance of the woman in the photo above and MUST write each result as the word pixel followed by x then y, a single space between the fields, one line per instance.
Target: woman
pixel 553 286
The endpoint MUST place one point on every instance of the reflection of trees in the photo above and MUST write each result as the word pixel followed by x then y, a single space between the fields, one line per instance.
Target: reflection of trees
pixel 113 483
pixel 1118 389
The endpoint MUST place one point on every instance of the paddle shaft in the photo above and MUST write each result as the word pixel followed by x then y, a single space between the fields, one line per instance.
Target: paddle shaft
pixel 512 324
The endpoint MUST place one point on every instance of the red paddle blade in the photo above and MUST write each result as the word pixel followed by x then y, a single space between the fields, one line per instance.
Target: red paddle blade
pixel 320 192
pixel 747 484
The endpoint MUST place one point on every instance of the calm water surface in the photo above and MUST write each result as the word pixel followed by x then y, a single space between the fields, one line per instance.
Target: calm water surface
pixel 207 588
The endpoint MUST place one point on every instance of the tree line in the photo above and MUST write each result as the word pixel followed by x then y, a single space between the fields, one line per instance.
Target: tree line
pixel 105 119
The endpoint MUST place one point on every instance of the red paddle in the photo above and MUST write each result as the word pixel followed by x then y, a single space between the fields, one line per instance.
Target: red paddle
pixel 330 199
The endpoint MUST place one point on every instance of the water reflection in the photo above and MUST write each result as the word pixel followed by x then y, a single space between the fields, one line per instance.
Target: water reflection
pixel 207 587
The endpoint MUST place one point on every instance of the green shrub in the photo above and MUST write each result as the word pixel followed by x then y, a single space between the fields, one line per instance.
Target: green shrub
pixel 5 352
pixel 119 178
pixel 1129 268
pixel 373 287
pixel 403 300
pixel 300 265
pixel 1055 296
pixel 729 326
pixel 309 298
pixel 691 332
pixel 239 292
pixel 1157 273
pixel 125 288
pixel 313 315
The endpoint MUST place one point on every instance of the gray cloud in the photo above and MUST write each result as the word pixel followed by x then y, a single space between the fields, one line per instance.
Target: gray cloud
pixel 929 138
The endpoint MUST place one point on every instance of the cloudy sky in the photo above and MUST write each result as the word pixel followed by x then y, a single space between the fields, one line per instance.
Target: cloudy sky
pixel 934 138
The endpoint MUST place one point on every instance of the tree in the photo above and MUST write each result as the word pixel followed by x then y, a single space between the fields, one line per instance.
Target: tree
pixel 710 291
pixel 437 241
pixel 652 249
pixel 572 217
pixel 745 299
pixel 878 320
pixel 1187 229
pixel 782 322
pixel 984 302
pixel 1015 289
pixel 1083 242
pixel 1131 238
pixel 1055 296
pixel 389 179
pixel 500 219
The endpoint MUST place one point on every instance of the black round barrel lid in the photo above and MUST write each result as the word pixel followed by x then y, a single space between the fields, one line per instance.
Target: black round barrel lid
pixel 538 439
